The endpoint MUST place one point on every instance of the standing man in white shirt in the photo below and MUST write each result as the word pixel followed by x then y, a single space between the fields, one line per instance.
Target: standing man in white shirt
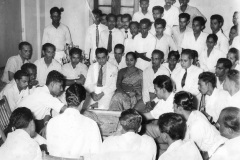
pixel 14 63
pixel 173 128
pixel 93 36
pixel 216 24
pixel 126 19
pixel 222 68
pixel 58 34
pixel 170 13
pixel 119 57
pixel 233 56
pixel 101 80
pixel 129 42
pixel 144 13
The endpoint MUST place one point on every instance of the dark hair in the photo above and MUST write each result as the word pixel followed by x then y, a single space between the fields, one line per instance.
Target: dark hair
pixel 184 15
pixel 146 21
pixel 231 118
pixel 159 8
pixel 101 50
pixel 134 22
pixel 235 51
pixel 78 91
pixel 160 53
pixel 21 44
pixel 208 77
pixel 226 62
pixel 111 15
pixel 133 54
pixel 218 17
pixel 103 14
pixel 213 36
pixel 75 51
pixel 119 46
pixel 127 16
pixel 54 76
pixel 47 45
pixel 235 27
pixel 174 53
pixel 233 75
pixel 97 12
pixel 163 81
pixel 200 19
pixel 185 100
pixel 194 54
pixel 160 21
pixel 130 119
pixel 144 0
pixel 26 66
pixel 188 52
pixel 19 74
pixel 56 9
pixel 173 124
pixel 119 16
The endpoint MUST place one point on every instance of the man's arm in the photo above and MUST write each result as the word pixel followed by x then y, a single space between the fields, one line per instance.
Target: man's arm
pixel 148 116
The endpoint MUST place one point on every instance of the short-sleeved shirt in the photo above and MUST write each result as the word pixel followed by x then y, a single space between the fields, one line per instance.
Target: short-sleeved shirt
pixel 74 73
pixel 138 16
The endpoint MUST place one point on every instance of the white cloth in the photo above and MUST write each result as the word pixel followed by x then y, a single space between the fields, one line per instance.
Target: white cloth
pixel 20 146
pixel 168 30
pixel 126 35
pixel 222 43
pixel 13 95
pixel 219 85
pixel 71 135
pixel 90 41
pixel 129 45
pixel 237 67
pixel 142 45
pixel 120 65
pixel 216 102
pixel 181 150
pixel 236 43
pixel 166 44
pixel 189 41
pixel 171 16
pixel 209 63
pixel 148 77
pixel 43 70
pixel 175 70
pixel 230 150
pixel 163 107
pixel 191 82
pixel 234 100
pixel 108 87
pixel 138 16
pixel 40 102
pixel 204 134
pixel 74 73
pixel 13 64
pixel 129 146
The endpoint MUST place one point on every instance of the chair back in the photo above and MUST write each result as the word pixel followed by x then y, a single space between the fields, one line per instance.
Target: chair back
pixel 5 113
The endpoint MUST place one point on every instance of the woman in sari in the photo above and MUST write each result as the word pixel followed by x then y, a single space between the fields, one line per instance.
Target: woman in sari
pixel 129 85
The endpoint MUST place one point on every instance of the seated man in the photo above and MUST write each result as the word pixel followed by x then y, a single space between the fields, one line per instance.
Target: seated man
pixel 129 42
pixel 173 129
pixel 229 121
pixel 71 134
pixel 101 80
pixel 19 143
pixel 170 13
pixel 47 63
pixel 130 145
pixel 75 71
pixel 126 20
pixel 233 56
pixel 31 69
pixel 173 64
pixel 17 89
pixel 222 68
pixel 14 63
pixel 43 100
pixel 119 59
pixel 143 13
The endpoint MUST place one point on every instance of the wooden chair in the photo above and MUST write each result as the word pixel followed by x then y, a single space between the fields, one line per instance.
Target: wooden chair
pixel 5 113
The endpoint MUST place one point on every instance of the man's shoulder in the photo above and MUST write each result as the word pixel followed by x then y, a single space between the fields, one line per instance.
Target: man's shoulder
pixel 112 66
pixel 56 63
pixel 38 61
pixel 196 69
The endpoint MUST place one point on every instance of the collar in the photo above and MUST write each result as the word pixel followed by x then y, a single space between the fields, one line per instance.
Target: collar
pixel 71 112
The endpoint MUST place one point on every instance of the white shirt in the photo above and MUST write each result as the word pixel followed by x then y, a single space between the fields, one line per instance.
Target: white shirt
pixel 219 85
pixel 191 82
pixel 209 63
pixel 189 41
pixel 171 16
pixel 126 34
pixel 148 77
pixel 90 41
pixel 163 107
pixel 142 45
pixel 120 65
pixel 129 146
pixel 166 44
pixel 13 64
pixel 175 70
pixel 229 151
pixel 237 67
pixel 181 150
pixel 204 134
pixel 74 73
pixel 20 146
pixel 43 70
pixel 222 43
pixel 13 95
pixel 138 16
pixel 216 102
pixel 129 45
pixel 71 135
pixel 40 102
pixel 235 43
pixel 234 100
pixel 168 30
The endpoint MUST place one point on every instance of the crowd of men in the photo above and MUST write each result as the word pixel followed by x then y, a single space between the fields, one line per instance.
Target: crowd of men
pixel 177 88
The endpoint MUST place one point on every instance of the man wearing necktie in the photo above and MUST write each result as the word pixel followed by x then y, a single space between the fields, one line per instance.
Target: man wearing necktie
pixel 126 19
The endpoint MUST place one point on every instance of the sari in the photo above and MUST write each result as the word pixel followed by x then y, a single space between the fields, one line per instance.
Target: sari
pixel 126 83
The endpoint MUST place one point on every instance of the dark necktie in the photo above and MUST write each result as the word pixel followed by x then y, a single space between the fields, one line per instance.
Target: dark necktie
pixel 100 77
pixel 97 36
pixel 109 47
pixel 184 78
pixel 202 106
pixel 126 34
